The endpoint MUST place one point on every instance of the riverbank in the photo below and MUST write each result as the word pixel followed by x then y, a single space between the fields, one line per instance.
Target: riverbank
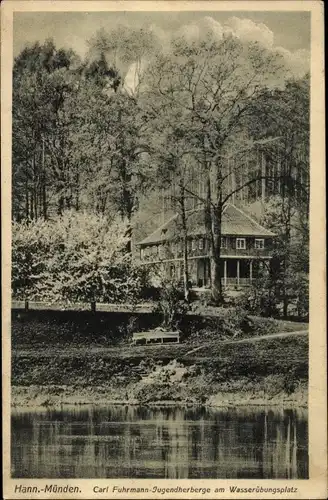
pixel 270 371
pixel 59 357
pixel 42 397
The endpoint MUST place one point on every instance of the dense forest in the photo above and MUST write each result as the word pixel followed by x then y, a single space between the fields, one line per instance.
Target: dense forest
pixel 135 131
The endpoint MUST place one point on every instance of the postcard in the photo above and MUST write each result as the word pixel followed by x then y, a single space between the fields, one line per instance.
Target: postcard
pixel 163 223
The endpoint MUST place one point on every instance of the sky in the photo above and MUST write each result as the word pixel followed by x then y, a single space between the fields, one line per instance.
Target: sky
pixel 291 30
pixel 288 32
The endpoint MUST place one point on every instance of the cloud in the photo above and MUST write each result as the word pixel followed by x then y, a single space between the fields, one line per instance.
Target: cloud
pixel 248 31
pixel 189 32
pixel 163 37
pixel 298 62
pixel 204 28
pixel 244 29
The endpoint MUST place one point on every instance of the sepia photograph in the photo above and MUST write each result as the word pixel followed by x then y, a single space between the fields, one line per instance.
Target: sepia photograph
pixel 160 318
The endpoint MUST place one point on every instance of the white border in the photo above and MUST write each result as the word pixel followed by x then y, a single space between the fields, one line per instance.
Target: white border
pixel 316 486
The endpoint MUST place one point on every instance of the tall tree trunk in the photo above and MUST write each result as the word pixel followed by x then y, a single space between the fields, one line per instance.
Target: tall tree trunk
pixel 208 218
pixel 44 183
pixel 60 188
pixel 32 204
pixel 184 240
pixel 128 215
pixel 127 204
pixel 287 209
pixel 34 188
pixel 27 212
pixel 61 203
pixel 216 284
pixel 77 192
pixel 216 220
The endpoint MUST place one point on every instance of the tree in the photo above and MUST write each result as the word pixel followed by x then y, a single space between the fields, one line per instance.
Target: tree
pixel 291 252
pixel 76 133
pixel 29 249
pixel 214 81
pixel 129 50
pixel 170 152
pixel 286 112
pixel 76 257
pixel 97 135
pixel 112 129
pixel 102 74
pixel 43 83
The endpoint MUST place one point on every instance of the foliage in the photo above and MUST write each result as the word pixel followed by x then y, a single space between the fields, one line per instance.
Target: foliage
pixel 171 305
pixel 28 257
pixel 134 118
pixel 285 282
pixel 44 90
pixel 226 323
pixel 75 136
pixel 76 257
pixel 208 85
pixel 261 297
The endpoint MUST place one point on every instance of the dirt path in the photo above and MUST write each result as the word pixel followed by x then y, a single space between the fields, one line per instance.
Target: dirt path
pixel 253 339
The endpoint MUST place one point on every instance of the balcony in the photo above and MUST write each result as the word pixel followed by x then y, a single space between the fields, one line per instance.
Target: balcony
pixel 228 283
pixel 225 253
pixel 246 252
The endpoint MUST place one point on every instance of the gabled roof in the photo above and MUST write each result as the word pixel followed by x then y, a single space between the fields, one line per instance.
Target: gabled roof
pixel 235 222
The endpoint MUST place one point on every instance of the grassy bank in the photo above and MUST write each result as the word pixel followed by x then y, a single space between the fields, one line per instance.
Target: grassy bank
pixel 57 329
pixel 211 372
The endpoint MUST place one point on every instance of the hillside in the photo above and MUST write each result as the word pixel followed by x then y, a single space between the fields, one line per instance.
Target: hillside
pixel 259 370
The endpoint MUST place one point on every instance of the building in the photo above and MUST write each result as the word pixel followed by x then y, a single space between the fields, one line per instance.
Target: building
pixel 245 247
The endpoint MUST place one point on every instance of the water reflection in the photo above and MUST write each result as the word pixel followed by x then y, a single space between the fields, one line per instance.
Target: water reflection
pixel 160 443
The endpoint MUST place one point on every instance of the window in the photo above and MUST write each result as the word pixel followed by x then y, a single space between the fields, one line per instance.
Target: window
pixel 223 242
pixel 172 271
pixel 201 244
pixel 193 245
pixel 259 244
pixel 240 243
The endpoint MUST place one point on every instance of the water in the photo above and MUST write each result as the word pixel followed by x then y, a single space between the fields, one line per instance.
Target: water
pixel 142 442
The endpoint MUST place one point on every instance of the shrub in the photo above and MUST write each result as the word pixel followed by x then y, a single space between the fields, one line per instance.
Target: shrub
pixel 75 257
pixel 228 323
pixel 171 305
pixel 157 391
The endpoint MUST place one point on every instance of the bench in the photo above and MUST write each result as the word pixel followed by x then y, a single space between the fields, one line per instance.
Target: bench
pixel 156 335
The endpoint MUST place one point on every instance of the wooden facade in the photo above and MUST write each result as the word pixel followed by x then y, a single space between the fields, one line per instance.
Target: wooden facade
pixel 245 247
